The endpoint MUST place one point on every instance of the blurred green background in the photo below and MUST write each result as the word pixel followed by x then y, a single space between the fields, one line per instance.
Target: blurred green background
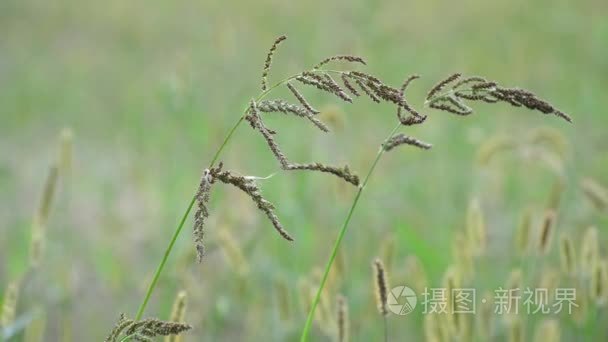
pixel 149 90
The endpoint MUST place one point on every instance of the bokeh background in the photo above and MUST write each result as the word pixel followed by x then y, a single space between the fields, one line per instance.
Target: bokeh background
pixel 149 90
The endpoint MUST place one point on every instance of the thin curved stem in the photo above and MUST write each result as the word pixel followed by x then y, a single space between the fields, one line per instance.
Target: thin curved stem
pixel 178 230
pixel 341 234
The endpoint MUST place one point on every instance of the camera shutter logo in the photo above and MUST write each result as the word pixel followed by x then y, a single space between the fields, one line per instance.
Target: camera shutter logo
pixel 401 300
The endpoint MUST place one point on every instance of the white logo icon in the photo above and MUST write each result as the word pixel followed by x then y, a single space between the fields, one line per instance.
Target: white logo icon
pixel 401 300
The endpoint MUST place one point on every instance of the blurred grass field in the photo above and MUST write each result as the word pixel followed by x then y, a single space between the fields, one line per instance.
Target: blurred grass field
pixel 150 89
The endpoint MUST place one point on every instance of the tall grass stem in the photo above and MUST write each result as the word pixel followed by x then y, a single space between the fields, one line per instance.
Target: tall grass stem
pixel 341 234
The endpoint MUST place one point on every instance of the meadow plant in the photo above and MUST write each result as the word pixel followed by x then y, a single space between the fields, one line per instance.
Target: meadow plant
pixel 345 82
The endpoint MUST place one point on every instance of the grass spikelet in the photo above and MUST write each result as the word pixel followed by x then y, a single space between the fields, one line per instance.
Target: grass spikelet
pixel 599 283
pixel 233 252
pixel 415 118
pixel 301 98
pixel 249 186
pixel 488 92
pixel 342 319
pixel 286 108
pixel 450 104
pixel 547 330
pixel 521 97
pixel 9 303
pixel 402 139
pixel 342 172
pixel 348 85
pixel 380 286
pixel 202 199
pixel 596 193
pixel 346 58
pixel 522 236
pixel 439 86
pixel 144 330
pixel 452 279
pixel 268 62
pixel 257 123
pixel 178 314
pixel 546 232
pixel 590 251
pixel 415 274
pixel 567 255
pixel 476 228
pixel 493 147
pixel 367 91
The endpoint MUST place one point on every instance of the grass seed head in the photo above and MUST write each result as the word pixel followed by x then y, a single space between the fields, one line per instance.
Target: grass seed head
pixel 268 62
pixel 595 192
pixel 567 255
pixel 9 303
pixel 546 232
pixel 178 314
pixel 590 251
pixel 381 286
pixel 342 319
